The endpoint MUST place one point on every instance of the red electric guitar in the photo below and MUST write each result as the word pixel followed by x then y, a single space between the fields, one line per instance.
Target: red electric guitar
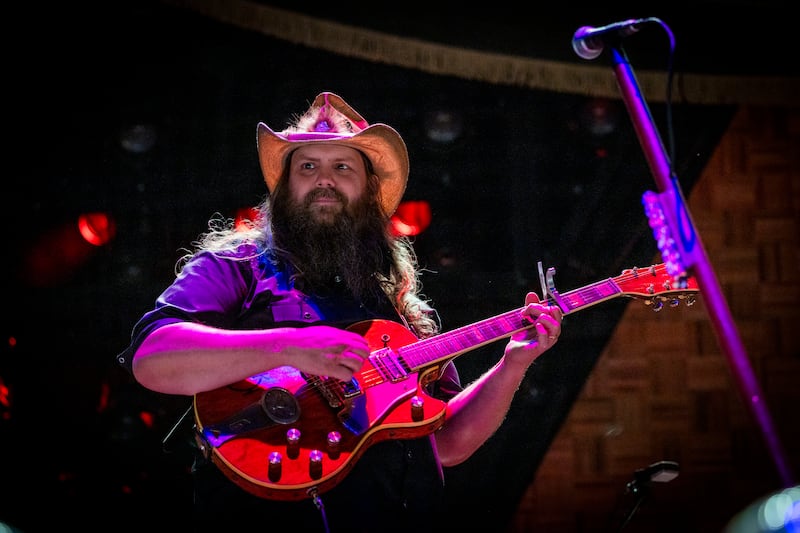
pixel 286 435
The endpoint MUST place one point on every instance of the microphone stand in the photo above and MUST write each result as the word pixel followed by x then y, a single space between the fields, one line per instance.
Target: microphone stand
pixel 639 487
pixel 691 248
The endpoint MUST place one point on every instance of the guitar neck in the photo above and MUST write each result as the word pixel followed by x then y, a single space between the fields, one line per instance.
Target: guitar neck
pixel 466 338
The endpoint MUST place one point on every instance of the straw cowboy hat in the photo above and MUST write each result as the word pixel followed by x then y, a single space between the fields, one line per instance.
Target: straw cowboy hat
pixel 331 120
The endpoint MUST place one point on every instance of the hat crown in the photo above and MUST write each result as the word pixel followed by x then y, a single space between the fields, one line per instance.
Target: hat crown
pixel 329 114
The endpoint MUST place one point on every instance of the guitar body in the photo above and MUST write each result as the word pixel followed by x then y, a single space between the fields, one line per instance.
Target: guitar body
pixel 288 436
pixel 244 426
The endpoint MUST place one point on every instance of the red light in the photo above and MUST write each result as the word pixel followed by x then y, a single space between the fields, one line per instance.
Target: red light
pixel 148 418
pixel 58 253
pixel 5 396
pixel 55 256
pixel 105 395
pixel 97 228
pixel 411 218
pixel 244 217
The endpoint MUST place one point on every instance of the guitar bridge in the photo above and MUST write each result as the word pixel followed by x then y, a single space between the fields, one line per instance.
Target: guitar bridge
pixel 334 391
pixel 350 388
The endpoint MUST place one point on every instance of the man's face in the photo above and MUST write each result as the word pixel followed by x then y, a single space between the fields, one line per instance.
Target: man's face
pixel 326 179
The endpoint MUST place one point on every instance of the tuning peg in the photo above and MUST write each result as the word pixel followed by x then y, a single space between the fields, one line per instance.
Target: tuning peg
pixel 657 305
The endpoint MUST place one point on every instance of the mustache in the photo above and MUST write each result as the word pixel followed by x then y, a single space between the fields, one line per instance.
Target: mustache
pixel 324 193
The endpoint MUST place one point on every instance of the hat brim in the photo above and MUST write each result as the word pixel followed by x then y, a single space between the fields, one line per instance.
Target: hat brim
pixel 382 145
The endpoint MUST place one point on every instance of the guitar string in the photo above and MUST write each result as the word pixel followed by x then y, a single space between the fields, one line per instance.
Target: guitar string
pixel 425 351
pixel 588 293
pixel 482 331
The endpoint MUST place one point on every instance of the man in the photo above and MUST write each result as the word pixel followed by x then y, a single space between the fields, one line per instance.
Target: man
pixel 260 317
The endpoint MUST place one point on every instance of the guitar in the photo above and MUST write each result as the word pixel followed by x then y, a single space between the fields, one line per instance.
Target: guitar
pixel 286 435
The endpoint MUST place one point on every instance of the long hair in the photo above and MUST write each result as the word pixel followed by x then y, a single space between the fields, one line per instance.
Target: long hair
pixel 400 281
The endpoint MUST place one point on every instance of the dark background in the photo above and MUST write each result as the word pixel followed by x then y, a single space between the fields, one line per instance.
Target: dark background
pixel 530 178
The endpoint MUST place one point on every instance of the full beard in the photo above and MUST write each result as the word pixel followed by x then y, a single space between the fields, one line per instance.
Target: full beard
pixel 323 243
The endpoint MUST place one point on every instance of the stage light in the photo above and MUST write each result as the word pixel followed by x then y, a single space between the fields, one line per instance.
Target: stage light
pixel 97 228
pixel 58 253
pixel 443 126
pixel 777 512
pixel 244 218
pixel 411 218
pixel 139 138
pixel 600 116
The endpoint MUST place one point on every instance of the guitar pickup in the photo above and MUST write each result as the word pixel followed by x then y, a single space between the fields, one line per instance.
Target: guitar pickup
pixel 386 363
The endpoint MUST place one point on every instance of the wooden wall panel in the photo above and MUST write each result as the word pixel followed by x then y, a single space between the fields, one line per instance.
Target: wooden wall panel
pixel 663 389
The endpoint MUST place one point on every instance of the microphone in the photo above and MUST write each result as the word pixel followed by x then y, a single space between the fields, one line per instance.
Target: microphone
pixel 661 472
pixel 589 42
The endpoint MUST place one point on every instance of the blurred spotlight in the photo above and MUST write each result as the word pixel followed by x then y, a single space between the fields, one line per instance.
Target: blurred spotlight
pixel 5 401
pixel 139 138
pixel 56 255
pixel 446 258
pixel 97 228
pixel 8 528
pixel 443 126
pixel 778 512
pixel 600 116
pixel 244 218
pixel 411 218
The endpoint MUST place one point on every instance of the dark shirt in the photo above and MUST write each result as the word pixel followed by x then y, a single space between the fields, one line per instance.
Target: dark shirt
pixel 394 485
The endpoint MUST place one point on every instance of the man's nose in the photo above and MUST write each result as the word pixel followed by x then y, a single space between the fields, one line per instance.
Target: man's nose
pixel 325 178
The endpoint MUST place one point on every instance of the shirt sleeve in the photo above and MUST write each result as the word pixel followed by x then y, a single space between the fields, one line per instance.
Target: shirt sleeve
pixel 448 385
pixel 209 290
